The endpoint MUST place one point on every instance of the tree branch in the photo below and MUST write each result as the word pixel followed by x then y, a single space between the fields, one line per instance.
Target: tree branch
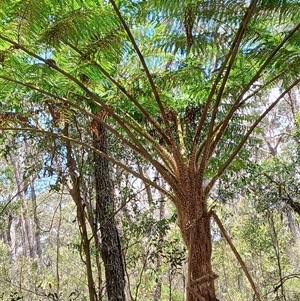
pixel 95 99
pixel 237 102
pixel 150 79
pixel 229 59
pixel 87 146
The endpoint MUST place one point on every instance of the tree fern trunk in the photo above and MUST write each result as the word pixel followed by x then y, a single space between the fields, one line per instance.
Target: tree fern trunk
pixel 194 222
pixel 200 274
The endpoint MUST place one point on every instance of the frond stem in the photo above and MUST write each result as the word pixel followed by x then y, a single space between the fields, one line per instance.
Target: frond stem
pixel 233 54
pixel 237 102
pixel 234 47
pixel 245 138
pixel 127 94
pixel 150 79
pixel 96 100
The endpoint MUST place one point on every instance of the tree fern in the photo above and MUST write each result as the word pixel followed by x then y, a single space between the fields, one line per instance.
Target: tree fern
pixel 177 81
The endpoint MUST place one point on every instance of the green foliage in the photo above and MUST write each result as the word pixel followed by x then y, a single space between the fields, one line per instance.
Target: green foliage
pixel 177 82
pixel 261 239
pixel 296 132
pixel 145 240
pixel 274 183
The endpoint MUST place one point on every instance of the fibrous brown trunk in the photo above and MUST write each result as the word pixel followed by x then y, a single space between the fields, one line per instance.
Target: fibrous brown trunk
pixel 200 274
pixel 194 223
pixel 110 243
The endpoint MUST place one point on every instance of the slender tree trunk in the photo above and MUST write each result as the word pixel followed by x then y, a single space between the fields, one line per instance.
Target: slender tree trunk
pixel 11 236
pixel 28 230
pixel 98 264
pixel 80 205
pixel 87 252
pixel 157 290
pixel 37 222
pixel 58 255
pixel 294 227
pixel 276 247
pixel 110 243
pixel 24 241
pixel 93 222
pixel 26 226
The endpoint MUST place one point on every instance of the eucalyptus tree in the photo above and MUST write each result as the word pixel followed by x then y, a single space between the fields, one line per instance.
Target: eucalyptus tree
pixel 176 80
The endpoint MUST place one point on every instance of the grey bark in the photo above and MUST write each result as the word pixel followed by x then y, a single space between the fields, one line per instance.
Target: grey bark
pixel 36 221
pixel 110 244
pixel 11 236
pixel 293 225
pixel 26 226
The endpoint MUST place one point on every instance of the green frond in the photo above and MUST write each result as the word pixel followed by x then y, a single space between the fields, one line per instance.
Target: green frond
pixel 184 44
pixel 80 24
pixel 279 10
pixel 193 24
